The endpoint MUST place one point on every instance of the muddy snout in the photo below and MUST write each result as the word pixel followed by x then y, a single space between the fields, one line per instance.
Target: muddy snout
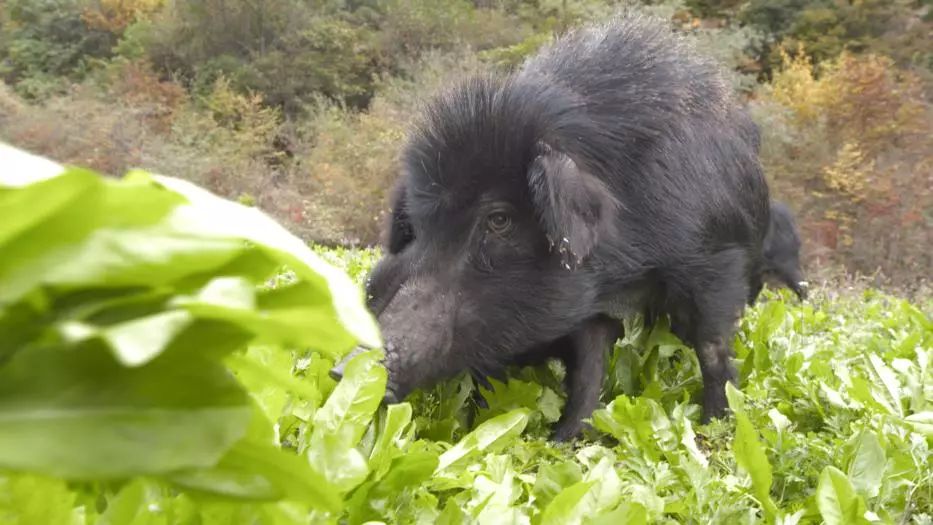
pixel 417 328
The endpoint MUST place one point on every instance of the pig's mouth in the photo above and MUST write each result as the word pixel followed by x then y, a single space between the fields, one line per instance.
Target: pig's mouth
pixel 391 397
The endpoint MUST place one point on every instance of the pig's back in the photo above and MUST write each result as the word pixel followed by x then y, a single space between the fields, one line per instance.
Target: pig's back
pixel 634 75
pixel 664 132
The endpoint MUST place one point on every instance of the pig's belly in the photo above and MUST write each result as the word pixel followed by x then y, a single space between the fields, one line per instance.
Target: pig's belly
pixel 626 304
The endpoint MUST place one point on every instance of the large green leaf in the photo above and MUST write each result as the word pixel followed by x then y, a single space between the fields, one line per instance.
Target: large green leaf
pixel 769 320
pixel 151 256
pixel 570 506
pixel 922 422
pixel 552 478
pixel 134 342
pixel 77 413
pixel 485 436
pixel 342 464
pixel 406 471
pixel 350 407
pixel 837 500
pixel 213 216
pixel 887 378
pixel 132 506
pixel 750 454
pixel 255 470
pixel 639 422
pixel 397 418
pixel 508 396
pixel 606 490
pixel 628 513
pixel 154 230
pixel 867 467
pixel 25 208
pixel 33 500
pixel 266 373
pixel 109 232
pixel 340 423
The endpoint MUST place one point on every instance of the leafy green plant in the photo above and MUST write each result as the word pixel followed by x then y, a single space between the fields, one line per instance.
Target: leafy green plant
pixel 45 43
pixel 125 309
pixel 164 358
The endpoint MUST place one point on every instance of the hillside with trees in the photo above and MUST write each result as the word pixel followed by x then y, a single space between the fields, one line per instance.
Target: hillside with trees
pixel 300 106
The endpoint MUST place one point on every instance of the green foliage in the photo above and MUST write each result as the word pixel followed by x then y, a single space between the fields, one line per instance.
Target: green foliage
pixel 328 56
pixel 45 43
pixel 849 141
pixel 172 384
pixel 129 296
pixel 827 28
pixel 413 26
pixel 286 50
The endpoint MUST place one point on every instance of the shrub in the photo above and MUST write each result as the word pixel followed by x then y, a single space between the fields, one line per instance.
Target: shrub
pixel 134 83
pixel 81 128
pixel 826 29
pixel 410 27
pixel 353 162
pixel 327 57
pixel 114 16
pixel 849 145
pixel 286 50
pixel 47 44
pixel 349 170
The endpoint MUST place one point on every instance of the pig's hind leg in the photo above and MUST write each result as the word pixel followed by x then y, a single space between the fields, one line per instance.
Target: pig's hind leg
pixel 583 353
pixel 709 326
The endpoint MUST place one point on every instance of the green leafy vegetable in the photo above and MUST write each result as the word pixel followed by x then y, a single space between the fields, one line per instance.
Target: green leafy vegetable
pixel 164 358
pixel 837 500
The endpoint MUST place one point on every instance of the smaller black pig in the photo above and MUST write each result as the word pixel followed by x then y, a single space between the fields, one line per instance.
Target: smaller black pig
pixel 782 254
pixel 613 174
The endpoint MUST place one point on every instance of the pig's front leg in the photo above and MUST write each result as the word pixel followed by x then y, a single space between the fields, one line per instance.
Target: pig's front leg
pixel 584 356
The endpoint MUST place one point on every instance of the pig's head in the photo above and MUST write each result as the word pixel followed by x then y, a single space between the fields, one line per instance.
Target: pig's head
pixel 490 245
pixel 782 250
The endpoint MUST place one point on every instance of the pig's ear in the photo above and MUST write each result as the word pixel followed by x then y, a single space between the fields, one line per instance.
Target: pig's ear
pixel 574 207
pixel 400 232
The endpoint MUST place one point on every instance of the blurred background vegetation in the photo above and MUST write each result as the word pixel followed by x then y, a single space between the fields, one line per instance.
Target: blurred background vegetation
pixel 300 106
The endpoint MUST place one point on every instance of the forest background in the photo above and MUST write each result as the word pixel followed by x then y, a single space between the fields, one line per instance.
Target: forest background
pixel 300 107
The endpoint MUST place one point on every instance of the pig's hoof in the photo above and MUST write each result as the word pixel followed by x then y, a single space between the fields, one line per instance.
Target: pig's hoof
pixel 567 432
pixel 390 397
pixel 720 412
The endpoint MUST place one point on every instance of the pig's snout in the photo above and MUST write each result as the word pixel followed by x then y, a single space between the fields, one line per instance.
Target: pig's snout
pixel 417 328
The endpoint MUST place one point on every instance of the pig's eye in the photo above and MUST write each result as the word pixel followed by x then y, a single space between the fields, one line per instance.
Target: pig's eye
pixel 499 222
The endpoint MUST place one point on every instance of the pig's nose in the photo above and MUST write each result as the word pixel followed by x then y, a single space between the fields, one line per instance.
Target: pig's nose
pixel 390 398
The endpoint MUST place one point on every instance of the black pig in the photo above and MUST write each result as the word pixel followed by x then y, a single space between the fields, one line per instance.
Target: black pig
pixel 781 254
pixel 612 174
